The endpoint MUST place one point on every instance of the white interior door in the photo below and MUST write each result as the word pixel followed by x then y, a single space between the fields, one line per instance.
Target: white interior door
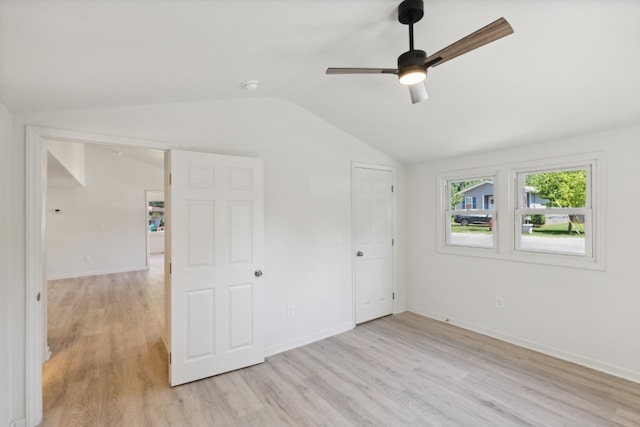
pixel 214 253
pixel 373 244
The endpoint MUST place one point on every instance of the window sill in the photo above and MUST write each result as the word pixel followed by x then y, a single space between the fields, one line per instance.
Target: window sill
pixel 554 260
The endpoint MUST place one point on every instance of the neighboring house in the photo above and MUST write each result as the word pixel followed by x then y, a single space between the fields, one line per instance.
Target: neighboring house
pixel 480 196
pixel 533 199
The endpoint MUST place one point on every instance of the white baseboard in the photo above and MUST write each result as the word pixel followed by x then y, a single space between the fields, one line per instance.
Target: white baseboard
pixel 289 345
pixel 541 348
pixel 399 310
pixel 18 423
pixel 97 272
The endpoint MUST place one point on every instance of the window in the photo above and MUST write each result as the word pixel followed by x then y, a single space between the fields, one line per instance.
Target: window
pixel 470 212
pixel 156 215
pixel 553 212
pixel 468 203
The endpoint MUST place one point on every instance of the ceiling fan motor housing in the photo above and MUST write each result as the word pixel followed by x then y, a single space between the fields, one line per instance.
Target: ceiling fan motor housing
pixel 411 68
pixel 412 60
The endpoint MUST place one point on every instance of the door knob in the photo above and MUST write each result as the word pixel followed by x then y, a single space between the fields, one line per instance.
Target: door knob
pixel 258 273
pixel 359 253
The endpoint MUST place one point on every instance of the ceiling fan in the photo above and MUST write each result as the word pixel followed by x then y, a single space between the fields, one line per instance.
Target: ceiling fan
pixel 413 64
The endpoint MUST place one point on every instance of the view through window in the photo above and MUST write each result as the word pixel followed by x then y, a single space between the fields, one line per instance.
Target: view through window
pixel 554 211
pixel 471 212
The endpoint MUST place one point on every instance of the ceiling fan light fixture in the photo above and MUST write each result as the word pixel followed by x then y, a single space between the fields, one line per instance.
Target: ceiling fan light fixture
pixel 412 77
pixel 411 69
pixel 418 93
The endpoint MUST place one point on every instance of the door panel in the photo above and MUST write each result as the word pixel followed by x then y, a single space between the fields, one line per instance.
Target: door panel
pixel 241 232
pixel 215 233
pixel 200 335
pixel 373 213
pixel 201 235
pixel 240 316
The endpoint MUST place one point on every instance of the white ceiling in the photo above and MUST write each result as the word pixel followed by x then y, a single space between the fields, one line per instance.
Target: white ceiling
pixel 571 67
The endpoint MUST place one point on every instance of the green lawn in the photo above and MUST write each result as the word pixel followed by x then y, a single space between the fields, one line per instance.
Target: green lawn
pixel 559 230
pixel 457 228
pixel 551 230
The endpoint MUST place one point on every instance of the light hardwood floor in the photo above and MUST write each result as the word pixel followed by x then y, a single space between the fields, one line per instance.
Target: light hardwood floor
pixel 109 369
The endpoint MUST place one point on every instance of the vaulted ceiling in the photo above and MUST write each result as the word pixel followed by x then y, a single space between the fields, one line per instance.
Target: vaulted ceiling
pixel 571 67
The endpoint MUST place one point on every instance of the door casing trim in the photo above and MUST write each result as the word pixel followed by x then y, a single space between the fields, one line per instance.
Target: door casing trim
pixel 35 254
pixel 362 165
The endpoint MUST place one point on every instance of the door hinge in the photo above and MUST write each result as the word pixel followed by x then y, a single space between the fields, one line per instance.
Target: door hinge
pixel 393 242
pixel 170 267
pixel 169 179
pixel 393 295
pixel 169 358
pixel 392 188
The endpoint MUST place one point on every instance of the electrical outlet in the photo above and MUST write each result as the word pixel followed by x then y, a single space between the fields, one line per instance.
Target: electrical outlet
pixel 499 302
pixel 290 311
pixel 87 258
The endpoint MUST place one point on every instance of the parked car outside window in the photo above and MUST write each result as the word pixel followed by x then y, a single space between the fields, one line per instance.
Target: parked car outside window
pixel 465 220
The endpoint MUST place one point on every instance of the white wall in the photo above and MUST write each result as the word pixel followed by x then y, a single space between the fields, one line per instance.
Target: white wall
pixel 71 156
pixel 590 317
pixel 307 200
pixel 105 219
pixel 5 265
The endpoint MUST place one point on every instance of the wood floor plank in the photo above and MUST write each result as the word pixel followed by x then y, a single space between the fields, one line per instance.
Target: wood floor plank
pixel 109 368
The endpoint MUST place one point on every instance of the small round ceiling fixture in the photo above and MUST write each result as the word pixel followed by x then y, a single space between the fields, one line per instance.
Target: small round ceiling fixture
pixel 250 85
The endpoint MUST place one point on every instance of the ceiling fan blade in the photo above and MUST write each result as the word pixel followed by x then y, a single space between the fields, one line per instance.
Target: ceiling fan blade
pixel 492 32
pixel 362 71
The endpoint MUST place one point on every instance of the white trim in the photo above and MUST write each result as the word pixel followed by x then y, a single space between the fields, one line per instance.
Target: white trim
pixel 22 422
pixel 36 175
pixel 36 163
pixel 531 345
pixel 66 135
pixel 361 165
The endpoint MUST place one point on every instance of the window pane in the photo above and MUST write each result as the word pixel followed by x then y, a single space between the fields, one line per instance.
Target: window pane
pixel 553 233
pixel 557 189
pixel 471 204
pixel 471 194
pixel 471 230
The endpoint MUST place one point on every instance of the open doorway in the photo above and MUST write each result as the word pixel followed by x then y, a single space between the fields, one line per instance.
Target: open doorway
pixel 105 283
pixel 229 265
pixel 155 225
pixel 37 210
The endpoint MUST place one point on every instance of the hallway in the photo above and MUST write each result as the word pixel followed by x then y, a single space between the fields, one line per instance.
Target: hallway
pixel 105 334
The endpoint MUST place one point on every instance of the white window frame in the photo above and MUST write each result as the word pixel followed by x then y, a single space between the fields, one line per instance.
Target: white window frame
pixel 507 215
pixel 445 212
pixel 593 212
